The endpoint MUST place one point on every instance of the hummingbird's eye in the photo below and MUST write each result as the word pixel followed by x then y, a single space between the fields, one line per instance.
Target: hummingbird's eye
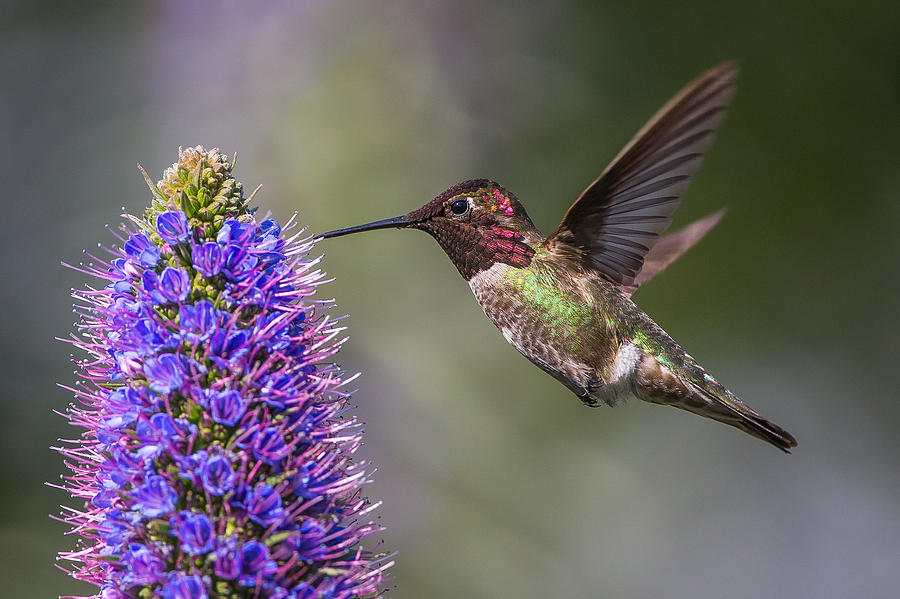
pixel 459 207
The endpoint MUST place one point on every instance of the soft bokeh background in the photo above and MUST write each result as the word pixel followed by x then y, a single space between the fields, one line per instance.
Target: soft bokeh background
pixel 495 481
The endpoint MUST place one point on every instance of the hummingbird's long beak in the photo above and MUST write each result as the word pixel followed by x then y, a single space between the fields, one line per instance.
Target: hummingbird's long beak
pixel 387 223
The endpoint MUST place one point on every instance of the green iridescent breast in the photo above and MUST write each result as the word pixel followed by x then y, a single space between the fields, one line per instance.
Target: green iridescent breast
pixel 553 299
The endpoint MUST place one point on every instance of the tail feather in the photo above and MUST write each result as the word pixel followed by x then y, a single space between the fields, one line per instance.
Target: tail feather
pixel 655 383
pixel 766 430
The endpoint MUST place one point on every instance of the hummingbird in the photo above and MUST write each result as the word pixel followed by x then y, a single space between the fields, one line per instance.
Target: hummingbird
pixel 564 301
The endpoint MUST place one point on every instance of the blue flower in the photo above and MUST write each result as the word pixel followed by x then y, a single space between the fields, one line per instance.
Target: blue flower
pixel 228 559
pixel 143 566
pixel 269 445
pixel 173 227
pixel 268 243
pixel 198 319
pixel 150 335
pixel 155 497
pixel 150 287
pixel 305 591
pixel 311 544
pixel 269 229
pixel 184 586
pixel 140 248
pixel 238 264
pixel 120 410
pixel 227 347
pixel 165 373
pixel 155 435
pixel 123 287
pixel 263 505
pixel 256 563
pixel 194 531
pixel 227 407
pixel 311 477
pixel 207 258
pixel 234 232
pixel 109 591
pixel 277 389
pixel 174 284
pixel 217 475
pixel 126 363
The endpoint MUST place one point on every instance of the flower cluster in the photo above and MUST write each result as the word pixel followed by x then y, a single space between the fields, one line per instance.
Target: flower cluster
pixel 215 455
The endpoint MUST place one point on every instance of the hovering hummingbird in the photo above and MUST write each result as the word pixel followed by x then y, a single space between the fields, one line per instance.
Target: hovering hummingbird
pixel 564 301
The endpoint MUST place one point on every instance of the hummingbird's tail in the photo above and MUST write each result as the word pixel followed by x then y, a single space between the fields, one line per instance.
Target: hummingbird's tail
pixel 752 423
pixel 655 383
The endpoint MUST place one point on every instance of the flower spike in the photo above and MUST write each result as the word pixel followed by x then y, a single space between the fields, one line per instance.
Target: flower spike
pixel 216 453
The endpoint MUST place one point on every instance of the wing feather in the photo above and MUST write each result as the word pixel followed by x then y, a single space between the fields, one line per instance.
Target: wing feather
pixel 619 218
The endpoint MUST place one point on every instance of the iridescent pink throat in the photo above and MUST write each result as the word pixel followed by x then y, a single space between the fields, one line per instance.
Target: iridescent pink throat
pixel 503 245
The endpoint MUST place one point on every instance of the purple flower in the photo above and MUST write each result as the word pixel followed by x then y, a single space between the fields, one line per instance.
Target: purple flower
pixel 214 457
pixel 217 475
pixel 116 528
pixel 198 319
pixel 305 591
pixel 150 335
pixel 183 586
pixel 155 435
pixel 155 497
pixel 228 559
pixel 311 478
pixel 174 284
pixel 269 229
pixel 150 287
pixel 268 243
pixel 194 531
pixel 269 446
pixel 121 408
pixel 140 248
pixel 173 227
pixel 311 544
pixel 228 347
pixel 111 592
pixel 238 264
pixel 277 388
pixel 143 565
pixel 164 373
pixel 127 362
pixel 263 505
pixel 122 287
pixel 227 407
pixel 234 233
pixel 207 258
pixel 257 563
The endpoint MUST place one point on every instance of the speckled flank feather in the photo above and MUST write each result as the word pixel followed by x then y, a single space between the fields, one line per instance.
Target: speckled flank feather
pixel 550 324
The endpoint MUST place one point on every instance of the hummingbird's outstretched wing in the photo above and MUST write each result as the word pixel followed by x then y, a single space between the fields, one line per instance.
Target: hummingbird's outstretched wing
pixel 616 221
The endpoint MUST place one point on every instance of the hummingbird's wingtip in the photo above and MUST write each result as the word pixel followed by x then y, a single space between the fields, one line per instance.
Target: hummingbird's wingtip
pixel 728 67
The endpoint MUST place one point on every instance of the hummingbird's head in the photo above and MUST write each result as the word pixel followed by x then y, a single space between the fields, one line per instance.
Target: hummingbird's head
pixel 477 223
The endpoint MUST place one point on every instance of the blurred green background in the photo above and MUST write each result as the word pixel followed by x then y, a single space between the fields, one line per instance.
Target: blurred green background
pixel 496 482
